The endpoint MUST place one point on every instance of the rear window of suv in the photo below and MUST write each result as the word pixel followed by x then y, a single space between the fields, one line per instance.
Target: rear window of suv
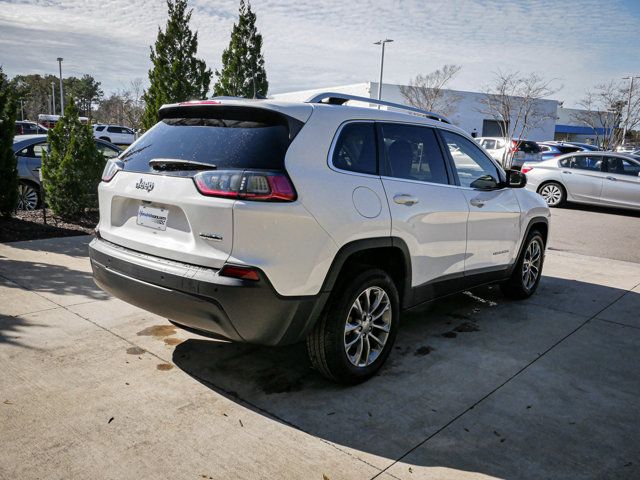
pixel 529 147
pixel 226 143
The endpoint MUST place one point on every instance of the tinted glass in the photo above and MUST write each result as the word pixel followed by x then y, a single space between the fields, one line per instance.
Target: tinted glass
pixel 355 149
pixel 529 147
pixel 622 166
pixel 99 129
pixel 114 130
pixel 592 163
pixel 564 149
pixel 223 143
pixel 474 169
pixel 107 152
pixel 413 153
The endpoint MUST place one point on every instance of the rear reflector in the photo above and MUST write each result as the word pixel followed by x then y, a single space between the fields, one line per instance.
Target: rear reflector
pixel 246 184
pixel 243 273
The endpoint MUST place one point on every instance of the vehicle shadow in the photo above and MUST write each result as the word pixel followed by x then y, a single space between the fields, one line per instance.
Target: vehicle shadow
pixel 76 245
pixel 48 278
pixel 447 358
pixel 597 209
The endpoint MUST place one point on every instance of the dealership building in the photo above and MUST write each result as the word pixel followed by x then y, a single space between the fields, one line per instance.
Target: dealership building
pixel 558 123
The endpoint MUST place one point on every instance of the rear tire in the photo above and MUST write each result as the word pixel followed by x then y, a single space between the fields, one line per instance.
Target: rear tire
pixel 527 272
pixel 553 193
pixel 106 139
pixel 28 196
pixel 356 332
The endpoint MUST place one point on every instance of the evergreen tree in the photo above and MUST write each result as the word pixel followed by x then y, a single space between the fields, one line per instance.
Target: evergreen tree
pixel 8 168
pixel 243 73
pixel 177 75
pixel 72 167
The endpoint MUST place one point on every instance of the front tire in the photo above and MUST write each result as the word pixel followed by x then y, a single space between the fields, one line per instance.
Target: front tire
pixel 355 334
pixel 527 272
pixel 553 193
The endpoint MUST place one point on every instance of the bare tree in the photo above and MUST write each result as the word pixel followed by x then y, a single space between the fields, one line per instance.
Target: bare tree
pixel 124 107
pixel 512 100
pixel 427 92
pixel 604 108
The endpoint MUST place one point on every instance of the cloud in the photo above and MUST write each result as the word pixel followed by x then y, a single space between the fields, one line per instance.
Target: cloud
pixel 317 43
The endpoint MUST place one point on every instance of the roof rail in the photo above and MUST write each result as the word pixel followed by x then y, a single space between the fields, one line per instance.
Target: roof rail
pixel 333 98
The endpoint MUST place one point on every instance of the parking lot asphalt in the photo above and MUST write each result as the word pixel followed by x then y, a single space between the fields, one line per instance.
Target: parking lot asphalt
pixel 596 231
pixel 477 387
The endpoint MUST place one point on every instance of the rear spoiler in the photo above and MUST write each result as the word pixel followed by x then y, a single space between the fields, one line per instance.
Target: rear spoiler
pixel 219 110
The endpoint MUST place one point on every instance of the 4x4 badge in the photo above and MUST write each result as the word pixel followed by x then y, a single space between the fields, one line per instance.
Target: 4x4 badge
pixel 142 185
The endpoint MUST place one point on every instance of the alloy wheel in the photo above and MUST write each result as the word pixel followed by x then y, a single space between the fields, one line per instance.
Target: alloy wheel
pixel 27 197
pixel 552 194
pixel 367 326
pixel 531 264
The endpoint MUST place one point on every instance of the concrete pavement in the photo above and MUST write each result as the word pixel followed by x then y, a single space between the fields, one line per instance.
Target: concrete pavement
pixel 477 387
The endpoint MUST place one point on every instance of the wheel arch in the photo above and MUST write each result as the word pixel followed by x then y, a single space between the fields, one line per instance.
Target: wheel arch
pixel 538 223
pixel 388 253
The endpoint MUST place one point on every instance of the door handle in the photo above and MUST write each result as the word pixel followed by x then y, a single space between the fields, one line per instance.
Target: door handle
pixel 612 179
pixel 477 203
pixel 404 199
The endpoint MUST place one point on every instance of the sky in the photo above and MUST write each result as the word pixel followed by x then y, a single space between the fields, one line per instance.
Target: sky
pixel 322 43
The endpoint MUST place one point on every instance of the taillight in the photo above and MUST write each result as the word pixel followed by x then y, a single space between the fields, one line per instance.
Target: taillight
pixel 246 184
pixel 112 167
pixel 526 169
pixel 243 273
pixel 514 146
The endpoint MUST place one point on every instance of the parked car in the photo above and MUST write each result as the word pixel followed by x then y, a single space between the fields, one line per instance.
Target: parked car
pixel 24 127
pixel 552 149
pixel 114 134
pixel 28 150
pixel 596 178
pixel 514 152
pixel 585 146
pixel 270 223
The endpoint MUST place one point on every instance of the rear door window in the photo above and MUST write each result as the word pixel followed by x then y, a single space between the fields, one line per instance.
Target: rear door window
pixel 583 162
pixel 413 152
pixel 355 150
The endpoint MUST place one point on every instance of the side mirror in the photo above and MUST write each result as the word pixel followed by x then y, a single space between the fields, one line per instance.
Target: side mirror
pixel 486 182
pixel 516 179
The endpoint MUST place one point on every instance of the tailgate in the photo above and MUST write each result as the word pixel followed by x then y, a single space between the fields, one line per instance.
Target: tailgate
pixel 167 217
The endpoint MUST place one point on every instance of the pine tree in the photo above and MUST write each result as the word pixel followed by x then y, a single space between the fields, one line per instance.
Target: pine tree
pixel 243 73
pixel 8 168
pixel 72 167
pixel 177 75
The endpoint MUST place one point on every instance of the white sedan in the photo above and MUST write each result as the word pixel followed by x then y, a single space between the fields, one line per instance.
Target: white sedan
pixel 597 178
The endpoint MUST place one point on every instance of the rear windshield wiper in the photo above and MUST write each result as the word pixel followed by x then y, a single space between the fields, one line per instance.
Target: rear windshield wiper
pixel 172 164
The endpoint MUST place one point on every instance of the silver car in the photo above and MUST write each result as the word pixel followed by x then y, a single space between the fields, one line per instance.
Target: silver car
pixel 597 178
pixel 28 150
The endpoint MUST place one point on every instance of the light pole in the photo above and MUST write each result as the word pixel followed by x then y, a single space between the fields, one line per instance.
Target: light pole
pixel 53 98
pixel 61 87
pixel 381 42
pixel 626 120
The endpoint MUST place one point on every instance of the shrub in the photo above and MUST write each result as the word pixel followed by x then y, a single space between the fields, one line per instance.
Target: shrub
pixel 72 167
pixel 8 168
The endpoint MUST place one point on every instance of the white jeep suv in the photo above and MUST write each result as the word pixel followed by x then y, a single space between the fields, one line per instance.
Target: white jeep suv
pixel 270 223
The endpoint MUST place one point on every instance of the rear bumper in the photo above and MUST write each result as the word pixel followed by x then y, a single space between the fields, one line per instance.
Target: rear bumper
pixel 200 300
